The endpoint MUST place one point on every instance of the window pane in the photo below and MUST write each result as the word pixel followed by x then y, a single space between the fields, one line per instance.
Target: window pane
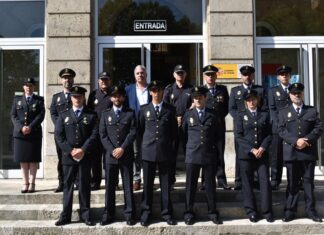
pixel 289 17
pixel 183 17
pixel 22 19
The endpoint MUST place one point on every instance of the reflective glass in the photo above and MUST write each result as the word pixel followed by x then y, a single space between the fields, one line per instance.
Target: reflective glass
pixel 289 17
pixel 22 19
pixel 181 17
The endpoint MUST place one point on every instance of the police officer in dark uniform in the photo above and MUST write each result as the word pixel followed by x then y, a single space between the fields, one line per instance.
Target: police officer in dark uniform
pixel 158 128
pixel 178 95
pixel 61 102
pixel 98 101
pixel 300 128
pixel 236 105
pixel 217 100
pixel 118 131
pixel 253 135
pixel 278 98
pixel 200 128
pixel 76 131
pixel 27 114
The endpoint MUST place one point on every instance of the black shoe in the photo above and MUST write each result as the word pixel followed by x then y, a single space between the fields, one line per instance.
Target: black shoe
pixel 253 218
pixel 145 223
pixel 315 218
pixel 225 186
pixel 189 221
pixel 288 218
pixel 62 222
pixel 270 219
pixel 106 221
pixel 170 221
pixel 216 220
pixel 130 222
pixel 95 187
pixel 88 222
pixel 238 186
pixel 59 188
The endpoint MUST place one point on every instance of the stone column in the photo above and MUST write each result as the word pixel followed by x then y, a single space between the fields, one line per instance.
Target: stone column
pixel 231 41
pixel 68 44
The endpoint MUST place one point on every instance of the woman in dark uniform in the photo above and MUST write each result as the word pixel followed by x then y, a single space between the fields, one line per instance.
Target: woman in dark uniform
pixel 253 134
pixel 27 114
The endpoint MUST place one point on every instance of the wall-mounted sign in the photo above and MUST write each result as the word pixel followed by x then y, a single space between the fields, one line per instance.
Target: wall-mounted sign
pixel 150 25
pixel 229 71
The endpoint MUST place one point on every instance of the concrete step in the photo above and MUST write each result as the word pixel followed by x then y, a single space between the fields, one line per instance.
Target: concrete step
pixel 228 211
pixel 178 196
pixel 239 226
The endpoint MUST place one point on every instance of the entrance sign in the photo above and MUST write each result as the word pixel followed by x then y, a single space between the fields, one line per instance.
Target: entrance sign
pixel 150 25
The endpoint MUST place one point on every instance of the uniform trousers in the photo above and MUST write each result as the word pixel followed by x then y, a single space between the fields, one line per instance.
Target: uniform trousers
pixel 149 170
pixel 192 175
pixel 276 159
pixel 138 160
pixel 295 171
pixel 96 164
pixel 59 163
pixel 248 167
pixel 112 170
pixel 178 142
pixel 70 173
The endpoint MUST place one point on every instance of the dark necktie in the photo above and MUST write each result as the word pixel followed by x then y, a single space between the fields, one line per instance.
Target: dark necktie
pixel 157 110
pixel 212 90
pixel 28 99
pixel 286 90
pixel 253 114
pixel 200 113
pixel 298 111
pixel 77 112
pixel 67 96
pixel 117 113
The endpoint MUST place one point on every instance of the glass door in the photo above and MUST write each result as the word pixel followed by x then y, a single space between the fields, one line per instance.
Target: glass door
pixel 16 64
pixel 316 64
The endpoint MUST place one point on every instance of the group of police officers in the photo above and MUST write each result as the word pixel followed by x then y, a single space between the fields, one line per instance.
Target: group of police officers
pixel 151 122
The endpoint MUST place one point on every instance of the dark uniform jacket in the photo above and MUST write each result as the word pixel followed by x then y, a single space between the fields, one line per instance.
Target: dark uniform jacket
pixel 236 101
pixel 58 105
pixel 180 98
pixel 291 127
pixel 118 132
pixel 157 132
pixel 72 132
pixel 98 101
pixel 201 137
pixel 219 101
pixel 32 115
pixel 277 99
pixel 252 132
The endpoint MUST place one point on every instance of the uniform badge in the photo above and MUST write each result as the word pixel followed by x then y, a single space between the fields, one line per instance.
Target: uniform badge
pixel 66 120
pixel 109 119
pixel 85 120
pixel 191 120
pixel 220 98
pixel 148 114
pixel 188 94
pixel 246 118
pixel 19 103
pixel 289 115
pixel 239 93
pixel 34 107
pixel 96 101
pixel 278 93
pixel 172 96
pixel 58 99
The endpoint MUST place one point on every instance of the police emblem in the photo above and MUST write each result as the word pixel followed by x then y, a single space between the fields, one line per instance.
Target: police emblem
pixel 19 103
pixel 278 93
pixel 239 93
pixel 109 119
pixel 289 115
pixel 58 99
pixel 96 101
pixel 34 107
pixel 191 120
pixel 188 94
pixel 220 98
pixel 246 118
pixel 66 120
pixel 172 96
pixel 85 120
pixel 148 114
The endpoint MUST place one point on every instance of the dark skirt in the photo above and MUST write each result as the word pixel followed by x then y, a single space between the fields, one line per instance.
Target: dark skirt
pixel 28 150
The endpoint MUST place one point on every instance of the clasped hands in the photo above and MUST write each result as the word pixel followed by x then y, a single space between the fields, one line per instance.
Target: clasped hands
pixel 258 153
pixel 302 143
